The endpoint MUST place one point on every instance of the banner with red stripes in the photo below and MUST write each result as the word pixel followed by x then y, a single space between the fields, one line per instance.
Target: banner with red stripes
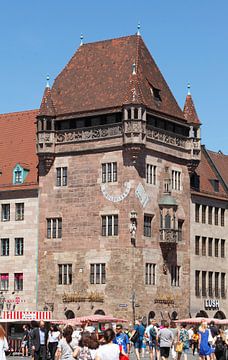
pixel 26 315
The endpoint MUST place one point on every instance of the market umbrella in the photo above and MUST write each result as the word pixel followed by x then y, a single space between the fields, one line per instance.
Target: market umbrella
pixel 91 319
pixel 198 320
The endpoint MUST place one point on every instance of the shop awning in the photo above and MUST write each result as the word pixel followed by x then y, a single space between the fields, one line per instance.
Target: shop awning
pixel 8 316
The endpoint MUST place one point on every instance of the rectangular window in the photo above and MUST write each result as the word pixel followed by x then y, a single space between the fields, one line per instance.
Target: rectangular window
pixel 210 284
pixel 19 246
pixel 216 216
pixel 19 211
pixel 109 225
pixel 210 246
pixel 216 247
pixel 147 225
pixel 54 228
pixel 223 243
pixel 176 180
pixel 216 284
pixel 151 174
pixel 18 281
pixel 4 247
pixel 222 217
pixel 4 281
pixel 175 275
pixel 180 227
pixel 197 245
pixel 197 283
pixel 204 239
pixel 18 176
pixel 197 212
pixel 5 212
pixel 204 278
pixel 210 215
pixel 204 214
pixel 65 274
pixel 97 274
pixel 150 274
pixel 223 285
pixel 109 172
pixel 61 176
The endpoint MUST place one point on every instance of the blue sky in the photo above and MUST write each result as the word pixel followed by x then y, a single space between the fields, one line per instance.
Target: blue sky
pixel 188 40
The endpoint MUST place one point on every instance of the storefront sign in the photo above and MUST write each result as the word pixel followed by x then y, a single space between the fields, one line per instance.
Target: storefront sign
pixel 26 315
pixel 211 304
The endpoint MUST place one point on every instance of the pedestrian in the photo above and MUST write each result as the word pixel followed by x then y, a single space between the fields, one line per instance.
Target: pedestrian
pixel 53 339
pixel 67 345
pixel 39 337
pixel 108 351
pixel 122 339
pixel 151 334
pixel 3 344
pixel 205 349
pixel 166 340
pixel 25 341
pixel 87 346
pixel 220 346
pixel 173 328
pixel 138 333
pixel 183 338
pixel 195 341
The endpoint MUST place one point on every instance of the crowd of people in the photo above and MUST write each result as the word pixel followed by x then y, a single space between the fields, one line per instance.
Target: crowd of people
pixel 161 341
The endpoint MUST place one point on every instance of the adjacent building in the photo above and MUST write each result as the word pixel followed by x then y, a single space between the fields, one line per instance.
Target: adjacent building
pixel 115 157
pixel 19 212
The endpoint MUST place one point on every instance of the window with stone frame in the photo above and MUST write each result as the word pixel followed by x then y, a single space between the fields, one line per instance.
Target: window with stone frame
pixel 197 212
pixel 4 247
pixel 223 285
pixel 197 245
pixel 18 281
pixel 61 176
pixel 109 225
pixel 223 243
pixel 19 211
pixel 65 274
pixel 216 284
pixel 54 228
pixel 109 172
pixel 204 283
pixel 216 216
pixel 204 248
pixel 175 275
pixel 4 281
pixel 150 274
pixel 148 225
pixel 210 284
pixel 222 217
pixel 176 180
pixel 5 212
pixel 216 247
pixel 210 246
pixel 19 246
pixel 180 224
pixel 151 174
pixel 204 214
pixel 210 215
pixel 197 283
pixel 97 273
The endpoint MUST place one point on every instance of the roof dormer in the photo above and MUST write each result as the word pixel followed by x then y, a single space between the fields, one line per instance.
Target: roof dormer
pixel 19 174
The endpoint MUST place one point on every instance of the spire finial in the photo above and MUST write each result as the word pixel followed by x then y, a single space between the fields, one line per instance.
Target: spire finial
pixel 138 28
pixel 47 83
pixel 189 87
pixel 81 38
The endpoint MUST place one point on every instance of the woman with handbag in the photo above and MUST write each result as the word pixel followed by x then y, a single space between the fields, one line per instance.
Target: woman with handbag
pixel 67 346
pixel 3 344
pixel 183 342
pixel 205 350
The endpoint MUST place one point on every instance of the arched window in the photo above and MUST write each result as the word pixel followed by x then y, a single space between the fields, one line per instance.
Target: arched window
pixel 202 313
pixel 174 315
pixel 69 314
pixel 99 312
pixel 219 315
pixel 151 315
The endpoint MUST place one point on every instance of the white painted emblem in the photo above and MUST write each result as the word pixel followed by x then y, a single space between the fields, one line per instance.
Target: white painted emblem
pixel 116 198
pixel 141 195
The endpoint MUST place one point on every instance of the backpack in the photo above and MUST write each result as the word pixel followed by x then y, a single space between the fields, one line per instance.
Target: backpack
pixel 85 354
pixel 153 333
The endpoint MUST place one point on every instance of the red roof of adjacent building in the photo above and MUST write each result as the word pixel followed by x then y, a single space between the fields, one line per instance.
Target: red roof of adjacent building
pixel 18 146
pixel 99 76
pixel 190 113
pixel 220 161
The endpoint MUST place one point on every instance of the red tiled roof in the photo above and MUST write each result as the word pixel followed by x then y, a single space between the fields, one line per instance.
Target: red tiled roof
pixel 99 76
pixel 207 173
pixel 47 107
pixel 18 146
pixel 190 113
pixel 221 163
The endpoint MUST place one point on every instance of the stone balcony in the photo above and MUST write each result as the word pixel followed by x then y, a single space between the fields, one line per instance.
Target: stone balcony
pixel 169 236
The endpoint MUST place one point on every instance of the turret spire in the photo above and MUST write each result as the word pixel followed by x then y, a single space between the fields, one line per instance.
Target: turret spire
pixel 81 38
pixel 47 83
pixel 138 28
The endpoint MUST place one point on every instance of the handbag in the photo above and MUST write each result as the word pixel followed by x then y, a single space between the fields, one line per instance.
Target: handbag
pixel 122 356
pixel 179 347
pixel 135 337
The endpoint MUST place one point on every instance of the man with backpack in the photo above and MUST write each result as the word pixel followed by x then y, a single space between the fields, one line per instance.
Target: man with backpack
pixel 151 334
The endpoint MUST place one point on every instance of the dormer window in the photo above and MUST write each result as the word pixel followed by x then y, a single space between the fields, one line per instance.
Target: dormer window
pixel 19 174
pixel 156 93
pixel 215 184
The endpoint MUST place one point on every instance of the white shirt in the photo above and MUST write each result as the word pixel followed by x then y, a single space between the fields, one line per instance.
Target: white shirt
pixel 53 336
pixel 147 331
pixel 190 333
pixel 108 352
